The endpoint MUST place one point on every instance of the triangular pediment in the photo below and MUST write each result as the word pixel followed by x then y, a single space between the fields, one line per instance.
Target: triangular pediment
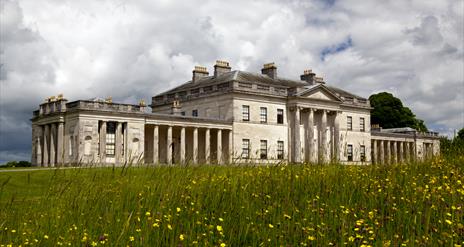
pixel 320 93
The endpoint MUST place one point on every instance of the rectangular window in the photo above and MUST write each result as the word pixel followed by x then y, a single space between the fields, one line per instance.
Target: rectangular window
pixel 263 114
pixel 349 123
pixel 280 150
pixel 349 152
pixel 246 112
pixel 280 116
pixel 110 138
pixel 362 125
pixel 263 150
pixel 246 148
pixel 362 151
pixel 195 113
pixel 182 113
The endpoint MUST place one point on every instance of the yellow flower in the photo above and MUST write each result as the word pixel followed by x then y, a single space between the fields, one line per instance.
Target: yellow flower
pixel 351 238
pixel 131 238
pixel 13 231
pixel 221 219
pixel 271 226
pixel 223 245
pixel 311 238
pixel 155 225
pixel 94 243
pixel 46 236
pixel 169 227
pixel 181 237
pixel 219 228
pixel 449 222
pixel 147 214
pixel 178 210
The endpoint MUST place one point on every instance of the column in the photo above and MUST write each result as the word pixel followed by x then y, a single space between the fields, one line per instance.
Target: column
pixel 46 139
pixel 388 157
pixel 382 152
pixel 118 143
pixel 231 147
pixel 182 145
pixel 337 136
pixel 395 153
pixel 52 154
pixel 296 136
pixel 169 146
pixel 374 152
pixel 195 146
pixel 324 136
pixel 219 146
pixel 155 144
pixel 207 146
pixel 60 144
pixel 408 152
pixel 309 136
pixel 102 138
pixel 401 156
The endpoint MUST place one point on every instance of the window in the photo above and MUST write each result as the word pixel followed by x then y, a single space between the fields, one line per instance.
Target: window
pixel 182 113
pixel 71 146
pixel 349 152
pixel 246 148
pixel 208 89
pixel 280 116
pixel 280 150
pixel 349 122
pixel 246 112
pixel 110 138
pixel 263 114
pixel 362 125
pixel 195 91
pixel 195 113
pixel 263 150
pixel 363 153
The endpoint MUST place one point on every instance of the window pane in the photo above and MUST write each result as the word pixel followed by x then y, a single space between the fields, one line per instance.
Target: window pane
pixel 246 113
pixel 280 116
pixel 263 149
pixel 263 114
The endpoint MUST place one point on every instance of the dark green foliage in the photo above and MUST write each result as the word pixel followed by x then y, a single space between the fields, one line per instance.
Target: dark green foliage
pixel 21 163
pixel 389 112
pixel 461 134
pixel 452 147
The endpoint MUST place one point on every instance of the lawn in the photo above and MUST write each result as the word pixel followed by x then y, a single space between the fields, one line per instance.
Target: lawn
pixel 411 204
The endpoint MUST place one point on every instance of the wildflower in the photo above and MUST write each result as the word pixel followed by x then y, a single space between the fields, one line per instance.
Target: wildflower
pixel 271 226
pixel 449 222
pixel 147 214
pixel 219 228
pixel 178 210
pixel 351 239
pixel 46 236
pixel 181 237
pixel 13 231
pixel 223 245
pixel 155 224
pixel 169 227
pixel 311 238
pixel 94 243
pixel 131 238
pixel 221 219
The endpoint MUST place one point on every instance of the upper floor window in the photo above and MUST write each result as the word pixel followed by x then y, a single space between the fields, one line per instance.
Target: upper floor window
pixel 195 113
pixel 280 116
pixel 362 152
pixel 280 150
pixel 245 148
pixel 362 124
pixel 349 152
pixel 349 123
pixel 246 113
pixel 263 114
pixel 263 149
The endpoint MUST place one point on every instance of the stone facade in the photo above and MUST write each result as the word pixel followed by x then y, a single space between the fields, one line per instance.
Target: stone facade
pixel 229 117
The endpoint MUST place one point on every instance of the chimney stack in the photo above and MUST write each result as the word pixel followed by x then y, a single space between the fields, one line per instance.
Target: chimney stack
pixel 270 70
pixel 221 67
pixel 199 72
pixel 176 108
pixel 308 76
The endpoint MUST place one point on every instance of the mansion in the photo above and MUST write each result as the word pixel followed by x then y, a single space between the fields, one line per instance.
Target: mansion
pixel 228 117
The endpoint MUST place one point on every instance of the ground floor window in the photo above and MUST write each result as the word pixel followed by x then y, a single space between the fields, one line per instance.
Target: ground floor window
pixel 246 148
pixel 280 150
pixel 349 151
pixel 263 149
pixel 110 138
pixel 362 151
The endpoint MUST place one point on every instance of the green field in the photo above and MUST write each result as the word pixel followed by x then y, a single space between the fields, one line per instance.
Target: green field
pixel 309 205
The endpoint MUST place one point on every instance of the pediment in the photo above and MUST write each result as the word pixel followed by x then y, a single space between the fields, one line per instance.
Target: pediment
pixel 320 93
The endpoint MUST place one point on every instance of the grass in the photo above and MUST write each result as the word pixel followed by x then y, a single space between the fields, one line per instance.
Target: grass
pixel 412 204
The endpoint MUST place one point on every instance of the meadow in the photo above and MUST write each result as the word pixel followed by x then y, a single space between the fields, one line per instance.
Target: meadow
pixel 418 204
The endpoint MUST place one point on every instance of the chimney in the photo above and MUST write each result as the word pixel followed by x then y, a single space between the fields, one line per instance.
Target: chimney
pixel 221 67
pixel 199 72
pixel 176 108
pixel 270 70
pixel 308 76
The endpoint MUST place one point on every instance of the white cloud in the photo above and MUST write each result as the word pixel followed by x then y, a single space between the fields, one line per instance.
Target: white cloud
pixel 132 50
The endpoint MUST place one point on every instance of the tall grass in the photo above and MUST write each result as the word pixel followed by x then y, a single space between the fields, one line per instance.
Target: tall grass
pixel 412 204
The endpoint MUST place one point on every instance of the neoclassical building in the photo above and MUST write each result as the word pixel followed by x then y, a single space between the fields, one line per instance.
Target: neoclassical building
pixel 230 116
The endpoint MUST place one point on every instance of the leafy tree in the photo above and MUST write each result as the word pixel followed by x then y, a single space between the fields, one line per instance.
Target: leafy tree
pixel 460 134
pixel 389 112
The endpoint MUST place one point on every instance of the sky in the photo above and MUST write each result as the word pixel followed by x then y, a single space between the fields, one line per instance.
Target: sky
pixel 132 50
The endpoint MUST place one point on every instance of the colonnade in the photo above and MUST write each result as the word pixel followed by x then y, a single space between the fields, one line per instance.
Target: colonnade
pixel 398 151
pixel 49 144
pixel 327 147
pixel 170 142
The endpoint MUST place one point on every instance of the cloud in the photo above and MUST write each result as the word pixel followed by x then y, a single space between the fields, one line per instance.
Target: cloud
pixel 133 50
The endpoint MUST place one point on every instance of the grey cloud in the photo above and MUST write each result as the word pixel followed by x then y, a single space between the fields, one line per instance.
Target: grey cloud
pixel 428 33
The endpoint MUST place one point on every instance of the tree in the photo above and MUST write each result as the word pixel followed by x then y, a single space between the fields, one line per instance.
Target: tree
pixel 389 112
pixel 460 134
